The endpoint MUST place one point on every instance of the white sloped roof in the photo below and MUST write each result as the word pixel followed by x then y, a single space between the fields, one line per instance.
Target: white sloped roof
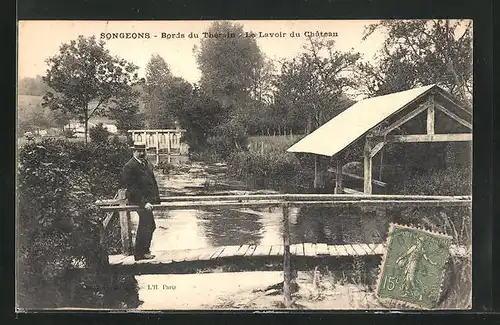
pixel 354 122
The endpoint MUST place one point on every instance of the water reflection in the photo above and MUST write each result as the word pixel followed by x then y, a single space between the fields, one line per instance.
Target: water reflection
pixel 192 229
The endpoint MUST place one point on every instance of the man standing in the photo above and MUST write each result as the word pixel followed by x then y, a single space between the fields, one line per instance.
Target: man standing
pixel 142 190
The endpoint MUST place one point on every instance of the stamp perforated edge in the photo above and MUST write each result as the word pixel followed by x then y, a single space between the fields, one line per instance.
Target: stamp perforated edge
pixel 400 304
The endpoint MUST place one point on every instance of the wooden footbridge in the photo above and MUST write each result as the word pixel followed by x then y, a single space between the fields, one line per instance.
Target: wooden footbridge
pixel 267 256
pixel 181 260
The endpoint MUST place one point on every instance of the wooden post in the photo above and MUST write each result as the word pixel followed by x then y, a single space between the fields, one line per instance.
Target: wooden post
pixel 287 269
pixel 338 177
pixel 157 148
pixel 367 189
pixel 315 171
pixel 125 226
pixel 168 144
pixel 430 117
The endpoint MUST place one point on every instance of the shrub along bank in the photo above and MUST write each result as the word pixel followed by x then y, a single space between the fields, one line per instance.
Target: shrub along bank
pixel 59 224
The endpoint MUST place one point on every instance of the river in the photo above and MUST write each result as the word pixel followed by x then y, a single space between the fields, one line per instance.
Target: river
pixel 194 228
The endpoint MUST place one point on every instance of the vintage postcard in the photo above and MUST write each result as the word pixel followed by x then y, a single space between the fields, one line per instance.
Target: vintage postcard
pixel 244 165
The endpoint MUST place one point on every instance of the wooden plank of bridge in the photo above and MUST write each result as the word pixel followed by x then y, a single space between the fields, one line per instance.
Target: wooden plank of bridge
pixel 372 247
pixel 332 249
pixel 229 251
pixel 193 254
pixel 163 258
pixel 300 249
pixel 217 252
pixel 262 250
pixel 342 251
pixel 242 250
pixel 379 249
pixel 187 255
pixel 251 250
pixel 116 259
pixel 281 251
pixel 129 260
pixel 179 255
pixel 350 251
pixel 322 249
pixel 359 251
pixel 293 249
pixel 309 249
pixel 367 249
pixel 206 254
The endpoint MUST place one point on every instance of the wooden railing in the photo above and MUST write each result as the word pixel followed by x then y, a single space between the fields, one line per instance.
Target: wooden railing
pixel 285 201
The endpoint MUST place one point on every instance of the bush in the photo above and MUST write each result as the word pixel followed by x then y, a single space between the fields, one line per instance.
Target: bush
pixel 59 224
pixel 275 169
pixel 69 133
pixel 99 134
pixel 454 180
pixel 226 139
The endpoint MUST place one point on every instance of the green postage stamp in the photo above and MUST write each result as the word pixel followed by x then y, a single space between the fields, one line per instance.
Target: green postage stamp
pixel 413 266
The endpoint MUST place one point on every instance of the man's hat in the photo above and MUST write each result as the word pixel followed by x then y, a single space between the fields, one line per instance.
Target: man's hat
pixel 139 146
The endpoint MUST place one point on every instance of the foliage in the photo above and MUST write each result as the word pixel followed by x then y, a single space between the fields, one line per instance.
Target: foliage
pixel 124 110
pixel 422 52
pixel 85 72
pixel 69 133
pixel 99 134
pixel 164 94
pixel 229 65
pixel 58 222
pixel 454 180
pixel 274 168
pixel 227 138
pixel 199 116
pixel 31 115
pixel 310 89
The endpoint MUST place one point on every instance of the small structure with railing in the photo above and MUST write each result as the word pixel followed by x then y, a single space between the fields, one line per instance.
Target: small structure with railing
pixel 160 142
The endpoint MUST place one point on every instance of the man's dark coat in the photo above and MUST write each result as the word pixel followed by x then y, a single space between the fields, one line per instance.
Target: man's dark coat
pixel 140 182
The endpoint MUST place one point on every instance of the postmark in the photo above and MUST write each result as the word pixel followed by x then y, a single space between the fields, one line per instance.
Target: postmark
pixel 413 267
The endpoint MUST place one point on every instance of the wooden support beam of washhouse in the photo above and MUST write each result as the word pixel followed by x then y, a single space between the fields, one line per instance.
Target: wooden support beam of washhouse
pixel 354 176
pixel 431 116
pixel 367 167
pixel 454 116
pixel 450 137
pixel 405 118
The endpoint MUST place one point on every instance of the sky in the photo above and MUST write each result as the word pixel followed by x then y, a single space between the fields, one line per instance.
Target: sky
pixel 39 40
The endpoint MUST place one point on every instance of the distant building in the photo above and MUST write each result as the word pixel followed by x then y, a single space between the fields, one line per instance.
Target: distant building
pixel 111 128
pixel 79 128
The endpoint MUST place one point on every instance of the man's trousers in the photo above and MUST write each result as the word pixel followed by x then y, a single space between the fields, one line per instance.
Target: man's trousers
pixel 145 231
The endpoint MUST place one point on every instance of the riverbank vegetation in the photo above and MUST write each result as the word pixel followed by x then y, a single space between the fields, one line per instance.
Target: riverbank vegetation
pixel 59 224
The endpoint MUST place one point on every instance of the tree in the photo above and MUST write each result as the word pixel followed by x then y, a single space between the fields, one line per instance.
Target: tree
pixel 420 52
pixel 124 110
pixel 164 93
pixel 311 87
pixel 85 73
pixel 158 76
pixel 229 64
